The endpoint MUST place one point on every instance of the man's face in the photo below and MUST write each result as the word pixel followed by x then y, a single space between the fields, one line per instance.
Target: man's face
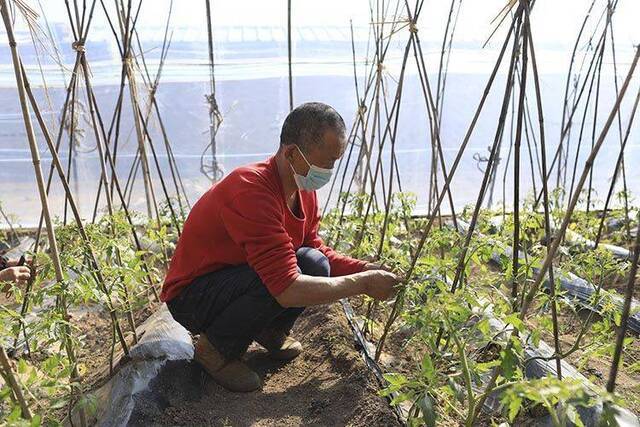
pixel 323 155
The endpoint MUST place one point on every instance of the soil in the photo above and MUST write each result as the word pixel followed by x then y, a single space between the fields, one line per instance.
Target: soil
pixel 328 384
pixel 94 355
pixel 620 283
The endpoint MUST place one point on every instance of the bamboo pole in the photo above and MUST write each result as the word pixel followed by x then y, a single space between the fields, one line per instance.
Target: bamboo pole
pixel 545 194
pixel 144 119
pixel 105 179
pixel 456 162
pixel 395 311
pixel 624 319
pixel 354 129
pixel 211 98
pixel 150 199
pixel 84 71
pixel 35 156
pixel 389 131
pixel 125 209
pixel 153 86
pixel 27 293
pixel 516 173
pixel 622 165
pixel 14 384
pixel 566 88
pixel 459 277
pixel 366 110
pixel 435 116
pixel 392 138
pixel 124 46
pixel 373 113
pixel 566 127
pixel 126 25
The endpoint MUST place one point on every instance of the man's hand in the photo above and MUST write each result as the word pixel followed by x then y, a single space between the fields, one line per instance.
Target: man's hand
pixel 370 266
pixel 13 262
pixel 381 284
pixel 20 275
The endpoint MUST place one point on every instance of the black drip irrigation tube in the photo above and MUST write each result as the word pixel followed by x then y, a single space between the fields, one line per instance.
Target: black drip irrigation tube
pixel 539 364
pixel 491 404
pixel 363 346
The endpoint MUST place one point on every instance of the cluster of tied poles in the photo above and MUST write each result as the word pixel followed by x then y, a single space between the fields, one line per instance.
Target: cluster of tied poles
pixel 374 135
pixel 122 18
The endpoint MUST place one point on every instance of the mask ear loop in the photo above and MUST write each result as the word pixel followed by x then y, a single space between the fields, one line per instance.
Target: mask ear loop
pixel 303 156
pixel 291 163
pixel 305 160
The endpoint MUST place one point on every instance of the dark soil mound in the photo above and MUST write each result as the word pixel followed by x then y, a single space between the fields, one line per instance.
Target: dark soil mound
pixel 327 385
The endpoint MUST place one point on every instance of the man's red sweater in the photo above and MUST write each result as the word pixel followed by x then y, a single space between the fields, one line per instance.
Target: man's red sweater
pixel 245 219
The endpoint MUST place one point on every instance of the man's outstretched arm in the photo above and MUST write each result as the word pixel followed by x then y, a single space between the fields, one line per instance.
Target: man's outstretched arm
pixel 313 290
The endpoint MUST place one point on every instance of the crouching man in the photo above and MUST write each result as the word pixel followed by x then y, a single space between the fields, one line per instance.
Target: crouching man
pixel 249 259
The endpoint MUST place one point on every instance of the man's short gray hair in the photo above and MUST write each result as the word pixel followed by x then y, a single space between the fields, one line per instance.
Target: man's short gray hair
pixel 307 123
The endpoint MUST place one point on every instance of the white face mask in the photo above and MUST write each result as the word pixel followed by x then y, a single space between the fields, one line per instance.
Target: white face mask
pixel 315 179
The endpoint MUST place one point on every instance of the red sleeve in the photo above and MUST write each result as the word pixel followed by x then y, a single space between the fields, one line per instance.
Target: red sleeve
pixel 254 222
pixel 341 265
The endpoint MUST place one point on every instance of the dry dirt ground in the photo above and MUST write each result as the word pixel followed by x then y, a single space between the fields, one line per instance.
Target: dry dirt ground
pixel 327 385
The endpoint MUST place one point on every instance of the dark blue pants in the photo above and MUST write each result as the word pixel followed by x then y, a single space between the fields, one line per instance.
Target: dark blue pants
pixel 232 306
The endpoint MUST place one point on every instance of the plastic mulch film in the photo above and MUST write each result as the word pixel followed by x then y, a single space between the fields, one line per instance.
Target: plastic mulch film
pixel 161 359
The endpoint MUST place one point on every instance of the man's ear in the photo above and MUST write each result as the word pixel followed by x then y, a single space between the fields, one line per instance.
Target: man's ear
pixel 289 151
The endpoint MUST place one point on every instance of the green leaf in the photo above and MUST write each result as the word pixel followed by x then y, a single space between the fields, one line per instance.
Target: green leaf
pixel 483 326
pixel 508 363
pixel 617 318
pixel 58 403
pixel 514 407
pixel 428 370
pixel 427 408
pixel 36 421
pixel 535 337
pixel 514 320
pixel 392 379
pixel 573 416
pixel 22 366
pixel 15 414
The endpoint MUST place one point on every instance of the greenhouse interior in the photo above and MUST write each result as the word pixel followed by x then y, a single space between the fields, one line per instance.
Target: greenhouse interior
pixel 287 213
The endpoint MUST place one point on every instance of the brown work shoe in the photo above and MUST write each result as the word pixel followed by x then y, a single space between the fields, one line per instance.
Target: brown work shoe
pixel 279 345
pixel 230 374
